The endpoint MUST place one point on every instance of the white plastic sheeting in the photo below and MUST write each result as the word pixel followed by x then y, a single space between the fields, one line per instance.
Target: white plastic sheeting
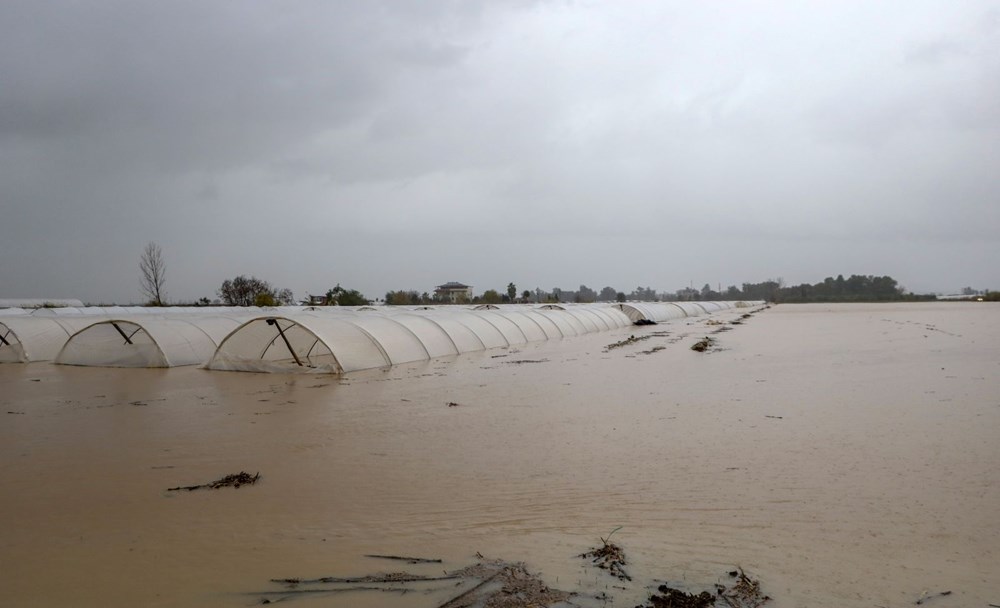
pixel 658 312
pixel 146 341
pixel 26 338
pixel 651 312
pixel 111 311
pixel 37 302
pixel 335 343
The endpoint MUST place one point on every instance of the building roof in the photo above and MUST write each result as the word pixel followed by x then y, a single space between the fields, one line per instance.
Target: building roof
pixel 453 285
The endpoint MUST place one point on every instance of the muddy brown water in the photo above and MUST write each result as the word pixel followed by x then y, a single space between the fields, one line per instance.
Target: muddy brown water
pixel 845 455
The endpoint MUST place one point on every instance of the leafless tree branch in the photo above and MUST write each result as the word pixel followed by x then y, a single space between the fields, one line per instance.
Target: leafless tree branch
pixel 153 274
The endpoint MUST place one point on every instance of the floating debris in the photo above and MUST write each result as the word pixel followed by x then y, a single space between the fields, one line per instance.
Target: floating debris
pixel 504 585
pixel 390 577
pixel 745 593
pixel 629 340
pixel 609 557
pixel 703 345
pixel 235 480
pixel 493 583
pixel 924 597
pixel 675 598
pixel 409 560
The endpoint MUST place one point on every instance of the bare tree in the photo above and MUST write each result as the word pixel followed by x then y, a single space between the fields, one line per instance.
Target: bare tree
pixel 153 274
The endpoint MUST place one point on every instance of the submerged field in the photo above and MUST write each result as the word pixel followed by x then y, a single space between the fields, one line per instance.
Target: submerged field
pixel 845 455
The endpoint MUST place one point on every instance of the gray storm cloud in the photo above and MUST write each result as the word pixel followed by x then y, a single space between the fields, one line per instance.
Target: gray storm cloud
pixel 399 145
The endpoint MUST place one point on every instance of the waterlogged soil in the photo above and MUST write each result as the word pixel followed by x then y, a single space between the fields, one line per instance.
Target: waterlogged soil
pixel 841 455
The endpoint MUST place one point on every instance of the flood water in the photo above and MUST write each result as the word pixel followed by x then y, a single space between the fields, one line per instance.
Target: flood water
pixel 845 455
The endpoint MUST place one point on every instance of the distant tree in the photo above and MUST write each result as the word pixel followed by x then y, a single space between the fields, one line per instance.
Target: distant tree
pixel 839 285
pixel 153 274
pixel 687 294
pixel 856 288
pixel 490 296
pixel 526 295
pixel 585 294
pixel 511 291
pixel 204 302
pixel 403 298
pixel 708 294
pixel 643 294
pixel 285 297
pixel 620 296
pixel 608 294
pixel 243 291
pixel 338 296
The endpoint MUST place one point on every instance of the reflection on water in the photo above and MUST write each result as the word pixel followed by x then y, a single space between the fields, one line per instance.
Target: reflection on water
pixel 845 455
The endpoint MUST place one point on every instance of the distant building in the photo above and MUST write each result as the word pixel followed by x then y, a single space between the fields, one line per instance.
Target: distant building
pixel 453 292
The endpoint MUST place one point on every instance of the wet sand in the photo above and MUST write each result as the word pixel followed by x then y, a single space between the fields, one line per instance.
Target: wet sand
pixel 845 455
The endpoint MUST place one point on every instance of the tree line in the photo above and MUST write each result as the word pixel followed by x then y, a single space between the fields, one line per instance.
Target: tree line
pixel 251 291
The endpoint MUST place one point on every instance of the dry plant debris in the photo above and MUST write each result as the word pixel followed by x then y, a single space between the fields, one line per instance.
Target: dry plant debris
pixel 609 557
pixel 703 345
pixel 407 559
pixel 492 583
pixel 929 596
pixel 495 584
pixel 675 598
pixel 504 585
pixel 745 593
pixel 629 340
pixel 235 480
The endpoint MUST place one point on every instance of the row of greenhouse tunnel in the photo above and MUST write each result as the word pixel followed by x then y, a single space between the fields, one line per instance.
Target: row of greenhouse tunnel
pixel 314 339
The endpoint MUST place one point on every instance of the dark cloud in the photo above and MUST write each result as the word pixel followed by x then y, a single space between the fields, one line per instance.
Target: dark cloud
pixel 414 143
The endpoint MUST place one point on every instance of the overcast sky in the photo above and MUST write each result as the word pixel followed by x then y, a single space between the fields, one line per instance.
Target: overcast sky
pixel 400 145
